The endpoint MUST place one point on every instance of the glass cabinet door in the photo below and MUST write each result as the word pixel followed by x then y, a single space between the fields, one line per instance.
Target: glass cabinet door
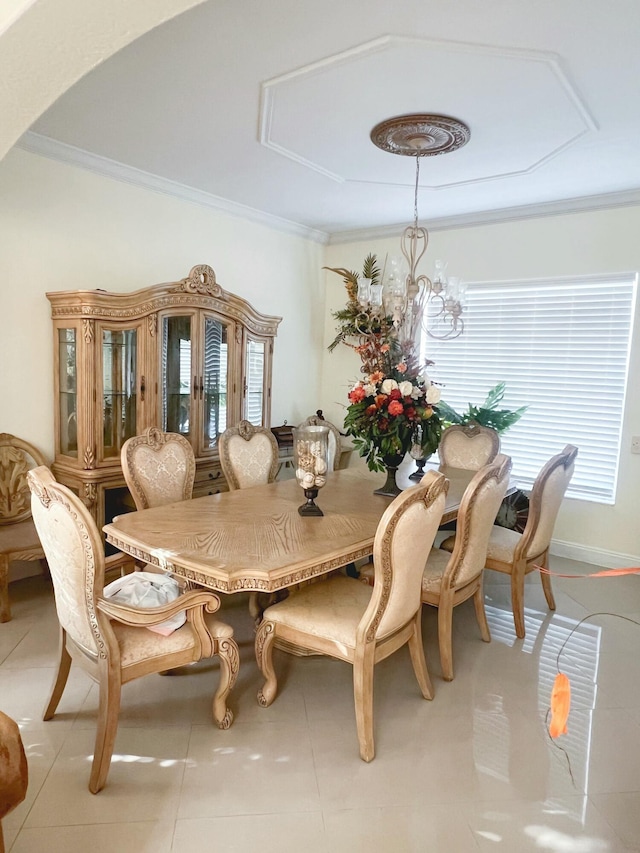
pixel 213 384
pixel 177 399
pixel 254 387
pixel 68 392
pixel 119 386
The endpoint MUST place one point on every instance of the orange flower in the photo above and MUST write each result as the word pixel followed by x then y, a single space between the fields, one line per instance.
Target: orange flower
pixel 381 399
pixel 357 394
pixel 402 367
pixel 396 407
pixel 385 348
pixel 376 377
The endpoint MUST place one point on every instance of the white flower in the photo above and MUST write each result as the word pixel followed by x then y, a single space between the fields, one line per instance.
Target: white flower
pixel 406 388
pixel 389 385
pixel 416 392
pixel 370 389
pixel 433 395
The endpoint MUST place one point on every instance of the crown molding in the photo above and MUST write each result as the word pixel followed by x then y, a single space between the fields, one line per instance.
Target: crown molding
pixel 590 203
pixel 44 146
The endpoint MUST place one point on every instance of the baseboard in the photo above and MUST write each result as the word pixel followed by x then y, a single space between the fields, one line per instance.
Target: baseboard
pixel 594 556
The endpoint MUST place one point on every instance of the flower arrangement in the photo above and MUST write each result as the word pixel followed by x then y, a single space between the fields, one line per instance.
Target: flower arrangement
pixel 390 412
pixel 394 407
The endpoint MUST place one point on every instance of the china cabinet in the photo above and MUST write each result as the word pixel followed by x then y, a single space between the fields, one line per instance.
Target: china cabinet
pixel 185 356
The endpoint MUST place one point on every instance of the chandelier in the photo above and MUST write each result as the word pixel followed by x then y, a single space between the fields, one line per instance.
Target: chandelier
pixel 408 296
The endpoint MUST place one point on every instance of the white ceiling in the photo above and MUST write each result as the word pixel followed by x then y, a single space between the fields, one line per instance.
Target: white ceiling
pixel 269 105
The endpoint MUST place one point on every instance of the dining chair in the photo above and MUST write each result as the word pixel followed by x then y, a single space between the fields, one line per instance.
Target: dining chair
pixel 110 641
pixel 468 446
pixel 334 441
pixel 348 620
pixel 159 468
pixel 450 579
pixel 518 554
pixel 14 771
pixel 18 537
pixel 248 455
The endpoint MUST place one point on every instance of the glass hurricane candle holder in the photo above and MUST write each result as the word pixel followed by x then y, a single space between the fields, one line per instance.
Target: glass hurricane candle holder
pixel 417 454
pixel 311 454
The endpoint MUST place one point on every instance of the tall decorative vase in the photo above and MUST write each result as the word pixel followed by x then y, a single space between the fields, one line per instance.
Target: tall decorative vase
pixel 390 487
pixel 310 449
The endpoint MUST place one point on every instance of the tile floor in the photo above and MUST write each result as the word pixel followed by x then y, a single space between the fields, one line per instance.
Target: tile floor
pixel 472 770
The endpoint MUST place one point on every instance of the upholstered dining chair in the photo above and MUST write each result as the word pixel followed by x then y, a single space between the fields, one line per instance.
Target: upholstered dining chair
pixel 14 772
pixel 346 619
pixel 110 641
pixel 518 554
pixel 450 579
pixel 18 537
pixel 469 446
pixel 335 439
pixel 159 468
pixel 248 455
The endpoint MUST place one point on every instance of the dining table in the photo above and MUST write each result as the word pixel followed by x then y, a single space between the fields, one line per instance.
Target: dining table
pixel 255 540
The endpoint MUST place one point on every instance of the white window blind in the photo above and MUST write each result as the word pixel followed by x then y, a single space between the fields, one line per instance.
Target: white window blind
pixel 562 347
pixel 255 382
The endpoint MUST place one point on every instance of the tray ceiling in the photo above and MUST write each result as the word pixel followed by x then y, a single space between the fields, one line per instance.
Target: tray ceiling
pixel 266 109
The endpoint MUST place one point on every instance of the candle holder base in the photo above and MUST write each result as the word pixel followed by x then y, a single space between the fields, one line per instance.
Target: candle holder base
pixel 418 474
pixel 310 508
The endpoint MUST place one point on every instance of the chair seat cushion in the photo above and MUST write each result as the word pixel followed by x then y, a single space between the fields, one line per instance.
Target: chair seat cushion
pixel 331 609
pixel 137 644
pixel 434 570
pixel 18 538
pixel 502 544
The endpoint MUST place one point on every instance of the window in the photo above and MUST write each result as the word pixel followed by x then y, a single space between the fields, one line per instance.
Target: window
pixel 255 382
pixel 562 347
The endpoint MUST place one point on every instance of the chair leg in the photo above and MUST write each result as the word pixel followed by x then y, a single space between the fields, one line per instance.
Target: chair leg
pixel 5 607
pixel 546 583
pixel 108 711
pixel 363 699
pixel 481 614
pixel 60 678
pixel 265 636
pixel 517 597
pixel 445 627
pixel 416 650
pixel 229 655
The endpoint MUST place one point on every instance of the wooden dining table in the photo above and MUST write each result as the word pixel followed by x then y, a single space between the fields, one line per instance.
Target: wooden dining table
pixel 255 539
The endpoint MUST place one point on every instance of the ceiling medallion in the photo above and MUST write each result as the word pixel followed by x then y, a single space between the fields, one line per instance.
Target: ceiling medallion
pixel 420 134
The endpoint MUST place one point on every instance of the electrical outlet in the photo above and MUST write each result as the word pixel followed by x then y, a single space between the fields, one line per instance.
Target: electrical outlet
pixel 635 443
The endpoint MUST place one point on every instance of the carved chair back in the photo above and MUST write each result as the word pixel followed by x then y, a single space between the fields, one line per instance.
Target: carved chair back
pixel 469 446
pixel 544 503
pixel 403 540
pixel 478 509
pixel 248 455
pixel 17 457
pixel 159 468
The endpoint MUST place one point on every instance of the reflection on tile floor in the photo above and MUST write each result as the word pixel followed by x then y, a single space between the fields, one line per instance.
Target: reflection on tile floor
pixel 472 770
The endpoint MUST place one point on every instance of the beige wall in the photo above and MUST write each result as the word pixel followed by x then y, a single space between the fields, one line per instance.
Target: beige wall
pixel 63 228
pixel 598 242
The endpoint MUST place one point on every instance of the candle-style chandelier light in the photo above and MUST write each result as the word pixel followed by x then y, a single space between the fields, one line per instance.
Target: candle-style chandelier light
pixel 408 296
